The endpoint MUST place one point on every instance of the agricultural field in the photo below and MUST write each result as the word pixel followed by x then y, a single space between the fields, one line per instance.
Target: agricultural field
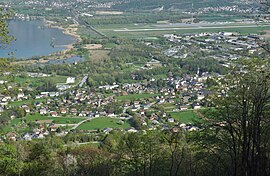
pixel 103 122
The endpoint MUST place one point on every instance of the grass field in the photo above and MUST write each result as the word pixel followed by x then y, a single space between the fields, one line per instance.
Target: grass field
pixel 28 102
pixel 39 81
pixel 13 123
pixel 109 45
pixel 97 56
pixel 185 116
pixel 136 96
pixel 57 120
pixel 101 123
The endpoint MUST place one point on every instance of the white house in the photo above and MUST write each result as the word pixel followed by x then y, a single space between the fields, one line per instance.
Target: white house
pixel 70 80
pixel 42 111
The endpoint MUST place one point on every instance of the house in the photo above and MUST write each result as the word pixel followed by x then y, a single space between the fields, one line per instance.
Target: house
pixel 193 128
pixel 196 106
pixel 41 136
pixel 53 114
pixel 26 137
pixel 73 111
pixel 183 125
pixel 11 136
pixel 200 97
pixel 43 111
pixel 175 129
pixel 132 130
pixel 70 80
pixel 52 127
pixel 136 104
pixel 53 94
pixel 155 122
pixel 63 110
pixel 124 93
pixel 111 115
pixel 20 95
pixel 183 108
pixel 26 108
pixel 96 115
pixel 171 120
pixel 107 130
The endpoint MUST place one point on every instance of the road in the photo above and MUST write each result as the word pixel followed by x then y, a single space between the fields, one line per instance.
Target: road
pixel 86 24
pixel 78 124
pixel 83 80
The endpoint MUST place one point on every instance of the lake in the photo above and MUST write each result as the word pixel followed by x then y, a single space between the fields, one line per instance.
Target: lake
pixel 32 39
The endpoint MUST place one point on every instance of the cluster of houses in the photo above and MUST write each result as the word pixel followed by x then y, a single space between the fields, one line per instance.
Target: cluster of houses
pixel 232 8
pixel 223 46
pixel 81 102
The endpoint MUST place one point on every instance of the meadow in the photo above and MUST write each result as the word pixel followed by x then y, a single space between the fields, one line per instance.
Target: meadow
pixel 57 120
pixel 187 117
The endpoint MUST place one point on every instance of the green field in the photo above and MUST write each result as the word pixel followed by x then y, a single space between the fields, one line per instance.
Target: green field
pixel 185 116
pixel 27 102
pixel 40 81
pixel 110 45
pixel 57 120
pixel 103 122
pixel 136 96
pixel 13 123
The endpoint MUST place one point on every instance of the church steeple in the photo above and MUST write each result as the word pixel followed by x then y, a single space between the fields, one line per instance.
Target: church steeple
pixel 198 71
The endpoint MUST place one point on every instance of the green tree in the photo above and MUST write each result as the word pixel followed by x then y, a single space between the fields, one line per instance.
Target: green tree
pixel 5 38
pixel 8 161
pixel 241 119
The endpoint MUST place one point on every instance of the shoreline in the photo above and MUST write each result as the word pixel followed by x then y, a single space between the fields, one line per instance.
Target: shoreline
pixel 71 30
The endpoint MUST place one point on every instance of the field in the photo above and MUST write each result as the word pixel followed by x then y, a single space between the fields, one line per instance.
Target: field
pixel 12 125
pixel 57 120
pixel 39 81
pixel 185 116
pixel 97 56
pixel 136 96
pixel 101 123
pixel 27 102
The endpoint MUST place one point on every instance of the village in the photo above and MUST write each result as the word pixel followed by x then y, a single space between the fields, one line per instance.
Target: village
pixel 176 103
pixel 152 106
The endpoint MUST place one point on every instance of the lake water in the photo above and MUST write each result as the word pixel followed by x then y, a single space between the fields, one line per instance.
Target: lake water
pixel 32 39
